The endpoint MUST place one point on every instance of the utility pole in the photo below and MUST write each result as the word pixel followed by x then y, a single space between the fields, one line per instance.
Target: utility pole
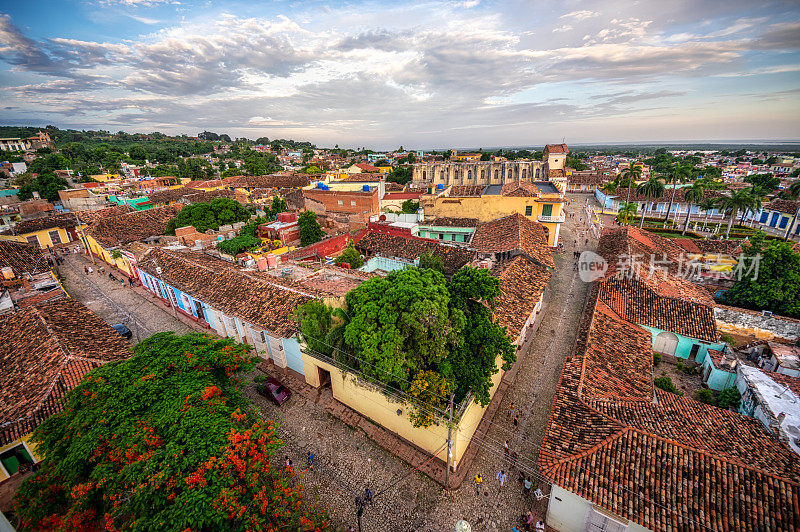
pixel 449 442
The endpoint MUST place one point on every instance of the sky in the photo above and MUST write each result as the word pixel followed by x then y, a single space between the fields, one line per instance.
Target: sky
pixel 380 74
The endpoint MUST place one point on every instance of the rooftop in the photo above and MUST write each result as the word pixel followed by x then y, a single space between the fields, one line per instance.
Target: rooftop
pixel 663 461
pixel 411 248
pixel 22 258
pixel 133 226
pixel 513 233
pixel 788 355
pixel 522 282
pixel 780 394
pixel 45 350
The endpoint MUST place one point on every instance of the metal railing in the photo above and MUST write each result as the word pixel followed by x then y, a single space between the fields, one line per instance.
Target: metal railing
pixel 553 219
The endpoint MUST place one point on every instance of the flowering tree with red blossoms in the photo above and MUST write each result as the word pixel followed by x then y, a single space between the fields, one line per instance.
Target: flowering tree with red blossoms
pixel 163 441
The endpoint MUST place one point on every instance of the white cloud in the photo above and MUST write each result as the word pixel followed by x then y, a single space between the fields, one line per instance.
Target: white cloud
pixel 563 27
pixel 580 15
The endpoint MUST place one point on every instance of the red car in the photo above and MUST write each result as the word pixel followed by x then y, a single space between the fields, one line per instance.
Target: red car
pixel 274 390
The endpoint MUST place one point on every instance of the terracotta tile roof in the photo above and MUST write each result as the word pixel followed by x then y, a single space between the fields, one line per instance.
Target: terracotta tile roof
pixel 580 178
pixel 668 463
pixel 788 356
pixel 452 222
pixel 411 248
pixel 522 283
pixel 652 259
pixel 23 227
pixel 393 187
pixel 556 148
pixel 793 383
pixel 722 361
pixel 636 302
pixel 556 172
pixel 206 196
pixel 465 191
pixel 254 297
pixel 204 184
pixel 364 167
pixel 87 217
pixel 163 197
pixel 619 356
pixel 22 257
pixel 520 189
pixel 724 247
pixel 133 226
pixel 270 181
pixel 28 300
pixel 782 205
pixel 513 233
pixel 45 350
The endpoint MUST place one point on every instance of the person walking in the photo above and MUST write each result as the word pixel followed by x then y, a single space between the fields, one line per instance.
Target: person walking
pixel 514 459
pixel 527 484
pixel 511 410
pixel 478 482
pixel 501 478
pixel 529 521
pixel 505 448
pixel 310 460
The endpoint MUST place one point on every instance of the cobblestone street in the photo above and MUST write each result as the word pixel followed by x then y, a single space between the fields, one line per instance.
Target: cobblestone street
pixel 115 302
pixel 347 461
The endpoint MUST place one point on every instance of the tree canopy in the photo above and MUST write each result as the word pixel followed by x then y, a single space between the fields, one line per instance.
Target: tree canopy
pixel 310 231
pixel 777 287
pixel 205 216
pixel 163 441
pixel 350 256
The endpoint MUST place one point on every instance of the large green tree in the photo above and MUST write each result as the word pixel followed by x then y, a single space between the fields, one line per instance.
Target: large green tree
pixel 163 441
pixel 401 324
pixel 777 285
pixel 310 231
pixel 205 216
pixel 473 291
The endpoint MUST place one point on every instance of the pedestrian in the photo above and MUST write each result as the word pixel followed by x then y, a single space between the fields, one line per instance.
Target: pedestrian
pixel 526 486
pixel 368 495
pixel 501 478
pixel 130 282
pixel 505 448
pixel 539 526
pixel 478 482
pixel 288 462
pixel 513 458
pixel 528 521
pixel 516 422
pixel 310 460
pixel 511 410
pixel 351 529
pixel 86 270
pixel 91 270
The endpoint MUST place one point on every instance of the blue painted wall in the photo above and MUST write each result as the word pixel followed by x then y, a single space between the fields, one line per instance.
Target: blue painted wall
pixel 685 343
pixel 294 357
pixel 718 379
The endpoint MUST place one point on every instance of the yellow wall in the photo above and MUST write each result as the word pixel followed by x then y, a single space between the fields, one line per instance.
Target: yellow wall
pixel 488 208
pixel 385 169
pixel 370 402
pixel 43 236
pixel 99 252
pixel 105 177
pixel 31 449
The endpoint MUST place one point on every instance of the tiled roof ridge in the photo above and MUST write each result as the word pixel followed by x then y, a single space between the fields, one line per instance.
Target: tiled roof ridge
pixel 624 429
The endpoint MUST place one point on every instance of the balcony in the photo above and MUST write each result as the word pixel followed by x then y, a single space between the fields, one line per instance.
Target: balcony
pixel 552 219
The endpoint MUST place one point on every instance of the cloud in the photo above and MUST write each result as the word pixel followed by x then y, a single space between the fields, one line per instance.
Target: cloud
pixel 564 27
pixel 144 20
pixel 783 36
pixel 580 15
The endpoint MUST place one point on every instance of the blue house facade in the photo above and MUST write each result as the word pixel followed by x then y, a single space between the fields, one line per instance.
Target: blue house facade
pixel 278 344
pixel 681 346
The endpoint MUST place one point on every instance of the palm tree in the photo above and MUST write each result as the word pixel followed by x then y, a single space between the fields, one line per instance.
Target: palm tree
pixel 610 187
pixel 626 210
pixel 679 173
pixel 757 193
pixel 631 175
pixel 794 193
pixel 737 201
pixel 707 205
pixel 653 188
pixel 692 195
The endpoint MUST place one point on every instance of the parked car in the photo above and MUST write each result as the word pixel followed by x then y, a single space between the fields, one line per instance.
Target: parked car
pixel 123 330
pixel 274 390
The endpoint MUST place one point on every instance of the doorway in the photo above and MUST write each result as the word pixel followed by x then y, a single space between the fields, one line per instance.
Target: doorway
pixel 324 377
pixel 693 352
pixel 666 342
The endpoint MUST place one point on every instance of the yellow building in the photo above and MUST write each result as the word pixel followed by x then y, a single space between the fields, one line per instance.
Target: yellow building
pixel 103 178
pixel 385 169
pixel 542 202
pixel 45 232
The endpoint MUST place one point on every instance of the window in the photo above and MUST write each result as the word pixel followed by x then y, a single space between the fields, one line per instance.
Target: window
pixel 483 174
pixel 33 240
pixel 423 175
pixel 547 209
pixel 441 236
pixel 341 202
pixel 496 172
pixel 524 173
pixel 783 223
pixel 529 210
pixel 352 203
pixel 55 237
pixel 599 522
pixel 15 458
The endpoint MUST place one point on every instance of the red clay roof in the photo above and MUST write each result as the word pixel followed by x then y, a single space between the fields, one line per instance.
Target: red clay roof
pixel 22 257
pixel 663 461
pixel 522 283
pixel 556 148
pixel 45 350
pixel 513 233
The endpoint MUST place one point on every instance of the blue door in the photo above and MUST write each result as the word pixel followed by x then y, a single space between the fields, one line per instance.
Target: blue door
pixel 764 216
pixel 774 221
pixel 783 223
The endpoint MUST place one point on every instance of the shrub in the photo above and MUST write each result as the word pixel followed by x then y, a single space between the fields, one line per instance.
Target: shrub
pixel 729 398
pixel 350 256
pixel 657 359
pixel 705 396
pixel 236 245
pixel 665 383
